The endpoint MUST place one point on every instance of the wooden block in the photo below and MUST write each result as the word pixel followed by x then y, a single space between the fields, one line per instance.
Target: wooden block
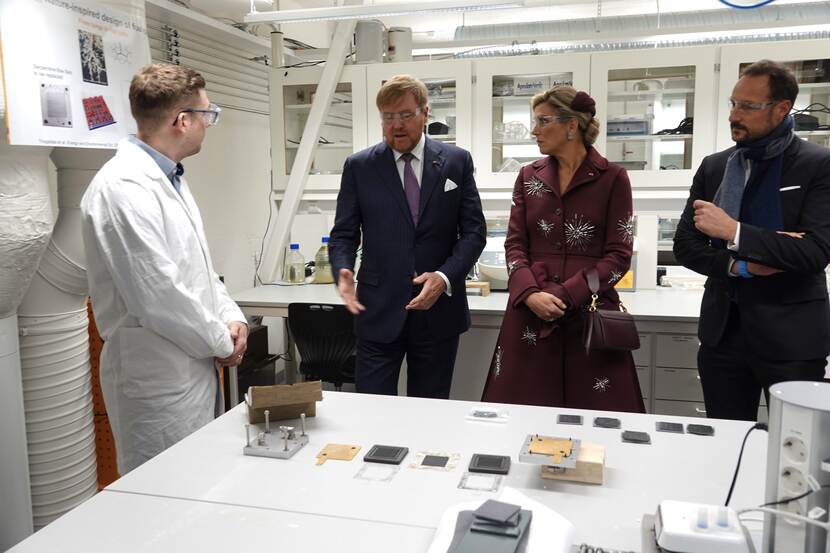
pixel 283 401
pixel 590 465
pixel 480 285
pixel 281 412
pixel 338 452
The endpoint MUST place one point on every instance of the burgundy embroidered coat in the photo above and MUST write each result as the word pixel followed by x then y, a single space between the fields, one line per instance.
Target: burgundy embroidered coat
pixel 560 236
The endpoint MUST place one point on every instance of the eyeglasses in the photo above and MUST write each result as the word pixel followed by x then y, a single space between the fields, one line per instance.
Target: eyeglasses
pixel 542 121
pixel 404 116
pixel 209 115
pixel 748 107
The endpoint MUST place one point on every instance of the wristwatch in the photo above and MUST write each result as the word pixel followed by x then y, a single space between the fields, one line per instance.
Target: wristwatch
pixel 742 270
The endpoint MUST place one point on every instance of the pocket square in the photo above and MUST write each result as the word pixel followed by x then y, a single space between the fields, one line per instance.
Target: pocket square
pixel 449 185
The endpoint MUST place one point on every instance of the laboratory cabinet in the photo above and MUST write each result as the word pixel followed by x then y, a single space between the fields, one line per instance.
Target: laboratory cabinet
pixel 655 112
pixel 343 131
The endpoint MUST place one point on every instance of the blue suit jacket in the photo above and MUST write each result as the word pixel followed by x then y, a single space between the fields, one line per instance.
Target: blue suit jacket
pixel 449 237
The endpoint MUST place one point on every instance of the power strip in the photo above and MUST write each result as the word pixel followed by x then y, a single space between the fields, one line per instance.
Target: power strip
pixel 699 528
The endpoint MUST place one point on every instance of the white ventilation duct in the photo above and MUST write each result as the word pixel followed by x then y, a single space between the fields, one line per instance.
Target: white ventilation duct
pixel 54 354
pixel 603 28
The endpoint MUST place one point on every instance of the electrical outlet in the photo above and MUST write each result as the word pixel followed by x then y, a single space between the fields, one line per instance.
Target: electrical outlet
pixel 794 450
pixel 793 481
pixel 795 508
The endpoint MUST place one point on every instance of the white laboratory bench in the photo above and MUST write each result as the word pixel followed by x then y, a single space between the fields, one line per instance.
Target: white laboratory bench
pixel 671 304
pixel 666 319
pixel 203 492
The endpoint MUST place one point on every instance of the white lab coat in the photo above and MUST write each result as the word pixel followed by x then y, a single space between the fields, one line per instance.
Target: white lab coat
pixel 158 304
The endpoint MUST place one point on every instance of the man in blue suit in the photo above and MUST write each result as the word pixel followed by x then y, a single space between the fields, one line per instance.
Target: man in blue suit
pixel 415 202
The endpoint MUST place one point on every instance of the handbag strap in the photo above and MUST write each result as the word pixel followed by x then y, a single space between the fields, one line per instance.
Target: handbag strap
pixel 593 280
pixel 592 277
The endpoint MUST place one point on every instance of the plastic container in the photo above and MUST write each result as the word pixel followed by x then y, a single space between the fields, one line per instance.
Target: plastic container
pixel 294 265
pixel 322 266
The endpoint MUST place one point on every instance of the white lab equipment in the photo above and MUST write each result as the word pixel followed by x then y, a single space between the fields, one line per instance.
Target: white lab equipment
pixel 799 424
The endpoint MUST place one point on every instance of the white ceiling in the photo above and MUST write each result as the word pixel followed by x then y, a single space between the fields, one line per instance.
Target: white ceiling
pixel 440 28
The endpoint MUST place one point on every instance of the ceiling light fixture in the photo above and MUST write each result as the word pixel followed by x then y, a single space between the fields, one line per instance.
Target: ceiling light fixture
pixel 337 13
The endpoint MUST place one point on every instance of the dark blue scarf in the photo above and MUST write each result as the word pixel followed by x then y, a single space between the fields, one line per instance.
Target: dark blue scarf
pixel 757 202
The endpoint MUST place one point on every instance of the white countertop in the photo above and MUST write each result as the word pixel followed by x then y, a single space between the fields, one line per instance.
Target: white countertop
pixel 135 523
pixel 209 466
pixel 672 304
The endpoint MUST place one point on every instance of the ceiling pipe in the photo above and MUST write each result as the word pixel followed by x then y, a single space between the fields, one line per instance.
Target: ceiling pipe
pixel 614 28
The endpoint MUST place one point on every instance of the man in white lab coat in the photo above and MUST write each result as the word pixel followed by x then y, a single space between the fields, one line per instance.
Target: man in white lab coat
pixel 166 318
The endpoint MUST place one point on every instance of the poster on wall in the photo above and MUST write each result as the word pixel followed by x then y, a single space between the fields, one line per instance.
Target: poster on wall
pixel 67 66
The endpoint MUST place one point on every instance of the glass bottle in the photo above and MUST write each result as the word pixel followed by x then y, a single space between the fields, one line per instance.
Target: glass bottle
pixel 322 266
pixel 294 265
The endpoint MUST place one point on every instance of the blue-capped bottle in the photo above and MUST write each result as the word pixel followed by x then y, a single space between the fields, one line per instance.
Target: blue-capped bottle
pixel 294 265
pixel 322 266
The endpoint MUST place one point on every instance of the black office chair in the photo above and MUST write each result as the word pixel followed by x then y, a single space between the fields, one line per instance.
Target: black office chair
pixel 325 339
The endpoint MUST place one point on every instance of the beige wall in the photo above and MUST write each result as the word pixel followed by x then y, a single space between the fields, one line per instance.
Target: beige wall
pixel 230 179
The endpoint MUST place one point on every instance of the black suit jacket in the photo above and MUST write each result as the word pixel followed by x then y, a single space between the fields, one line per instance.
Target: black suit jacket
pixel 783 316
pixel 449 237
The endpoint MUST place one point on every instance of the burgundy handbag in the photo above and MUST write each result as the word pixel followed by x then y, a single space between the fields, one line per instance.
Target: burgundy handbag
pixel 607 329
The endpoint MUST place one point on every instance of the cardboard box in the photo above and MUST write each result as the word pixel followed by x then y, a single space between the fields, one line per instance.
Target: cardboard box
pixel 283 401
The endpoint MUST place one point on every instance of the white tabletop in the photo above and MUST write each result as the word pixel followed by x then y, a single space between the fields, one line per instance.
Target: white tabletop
pixel 209 466
pixel 663 303
pixel 128 523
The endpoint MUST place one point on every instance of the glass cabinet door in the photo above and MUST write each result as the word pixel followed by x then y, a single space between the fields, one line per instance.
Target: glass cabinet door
pixel 809 61
pixel 655 112
pixel 449 84
pixel 343 131
pixel 649 123
pixel 502 140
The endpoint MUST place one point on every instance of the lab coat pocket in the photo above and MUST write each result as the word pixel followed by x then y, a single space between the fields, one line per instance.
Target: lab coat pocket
pixel 151 366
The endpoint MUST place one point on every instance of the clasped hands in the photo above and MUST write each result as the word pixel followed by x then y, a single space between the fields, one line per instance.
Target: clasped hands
pixel 546 306
pixel 239 336
pixel 716 223
pixel 433 287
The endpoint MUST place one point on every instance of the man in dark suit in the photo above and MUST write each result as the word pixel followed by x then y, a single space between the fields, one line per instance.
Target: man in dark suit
pixel 757 223
pixel 415 202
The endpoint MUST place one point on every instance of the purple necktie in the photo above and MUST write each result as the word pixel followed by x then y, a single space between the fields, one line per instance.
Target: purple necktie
pixel 411 188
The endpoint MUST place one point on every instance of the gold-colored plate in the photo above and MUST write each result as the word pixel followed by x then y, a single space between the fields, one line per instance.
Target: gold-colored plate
pixel 557 448
pixel 338 452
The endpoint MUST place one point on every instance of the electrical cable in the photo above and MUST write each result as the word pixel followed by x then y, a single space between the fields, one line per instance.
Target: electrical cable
pixel 265 235
pixel 786 514
pixel 794 498
pixel 756 426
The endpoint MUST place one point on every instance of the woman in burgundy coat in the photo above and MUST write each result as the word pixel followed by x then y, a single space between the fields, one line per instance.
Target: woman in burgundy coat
pixel 572 211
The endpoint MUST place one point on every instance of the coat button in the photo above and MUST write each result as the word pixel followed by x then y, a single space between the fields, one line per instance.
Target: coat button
pixel 558 211
pixel 556 278
pixel 558 245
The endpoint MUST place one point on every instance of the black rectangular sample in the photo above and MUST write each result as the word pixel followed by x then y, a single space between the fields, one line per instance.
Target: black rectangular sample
pixel 435 461
pixel 700 429
pixel 496 511
pixel 606 422
pixel 663 426
pixel 633 437
pixel 569 419
pixel 490 464
pixel 512 530
pixel 389 454
pixel 478 542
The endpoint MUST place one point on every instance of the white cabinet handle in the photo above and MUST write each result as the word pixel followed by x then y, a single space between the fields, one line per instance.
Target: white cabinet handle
pixel 700 411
